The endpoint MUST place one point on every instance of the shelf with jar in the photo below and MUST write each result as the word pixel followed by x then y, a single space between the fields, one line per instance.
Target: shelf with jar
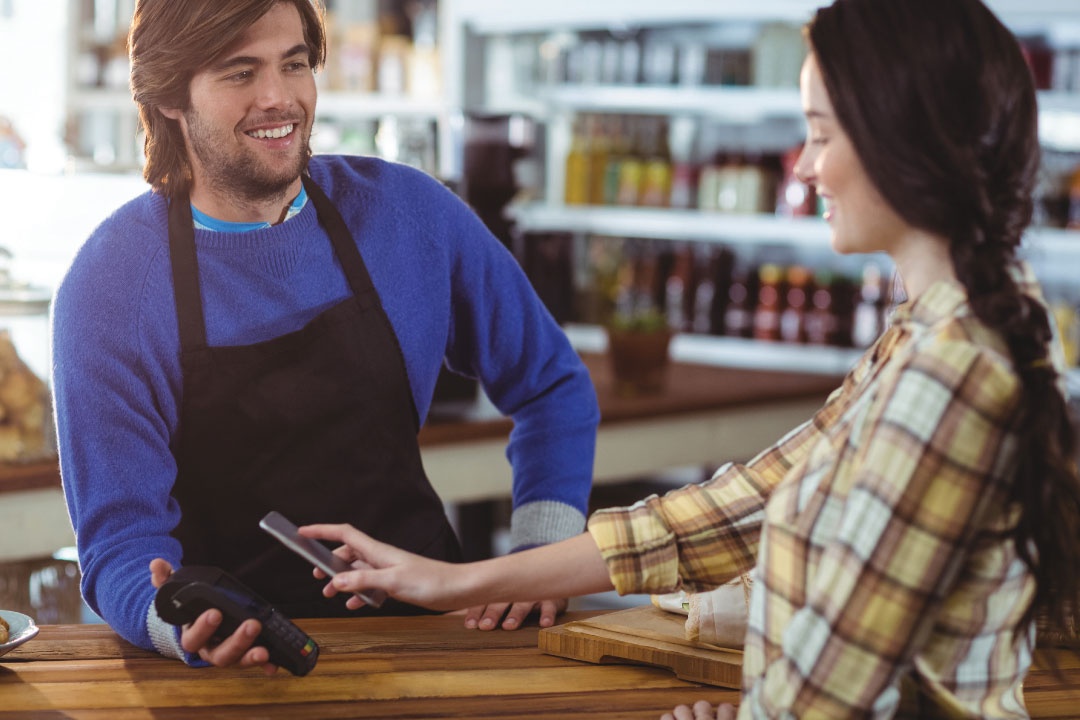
pixel 684 179
pixel 770 308
pixel 774 307
pixel 383 66
pixel 682 128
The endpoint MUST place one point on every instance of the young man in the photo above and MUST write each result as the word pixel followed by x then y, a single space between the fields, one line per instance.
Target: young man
pixel 263 331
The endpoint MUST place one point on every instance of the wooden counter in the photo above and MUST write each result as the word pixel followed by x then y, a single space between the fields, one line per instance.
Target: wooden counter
pixel 379 667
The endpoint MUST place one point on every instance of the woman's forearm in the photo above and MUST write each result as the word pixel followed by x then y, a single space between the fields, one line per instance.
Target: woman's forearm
pixel 563 569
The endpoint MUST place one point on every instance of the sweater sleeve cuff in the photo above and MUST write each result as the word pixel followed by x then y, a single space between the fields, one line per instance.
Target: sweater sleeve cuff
pixel 639 549
pixel 166 639
pixel 543 522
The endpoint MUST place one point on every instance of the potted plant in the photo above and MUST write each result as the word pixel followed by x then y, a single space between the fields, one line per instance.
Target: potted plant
pixel 638 348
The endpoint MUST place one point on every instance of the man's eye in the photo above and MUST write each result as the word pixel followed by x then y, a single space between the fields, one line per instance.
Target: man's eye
pixel 241 76
pixel 818 140
pixel 296 66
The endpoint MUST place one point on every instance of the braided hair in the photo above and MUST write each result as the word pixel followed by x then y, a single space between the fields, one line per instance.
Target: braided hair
pixel 940 105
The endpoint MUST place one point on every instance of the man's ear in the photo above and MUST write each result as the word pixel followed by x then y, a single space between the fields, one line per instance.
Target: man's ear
pixel 171 113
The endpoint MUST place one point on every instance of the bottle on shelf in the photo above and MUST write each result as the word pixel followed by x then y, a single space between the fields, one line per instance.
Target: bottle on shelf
pixel 656 170
pixel 752 186
pixel 681 134
pixel 728 184
pixel 869 317
pixel 742 297
pixel 793 317
pixel 599 156
pixel 1067 316
pixel 770 303
pixel 679 290
pixel 820 319
pixel 1074 201
pixel 577 166
pixel 722 266
pixel 618 152
pixel 631 167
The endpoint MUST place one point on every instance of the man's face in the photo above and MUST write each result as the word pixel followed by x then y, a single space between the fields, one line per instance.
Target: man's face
pixel 249 120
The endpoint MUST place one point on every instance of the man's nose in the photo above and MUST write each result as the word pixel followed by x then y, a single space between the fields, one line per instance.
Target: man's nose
pixel 272 92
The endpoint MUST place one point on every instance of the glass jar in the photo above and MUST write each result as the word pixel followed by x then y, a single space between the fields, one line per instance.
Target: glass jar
pixel 26 429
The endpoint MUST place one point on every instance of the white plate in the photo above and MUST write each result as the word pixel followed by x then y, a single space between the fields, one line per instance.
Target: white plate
pixel 21 629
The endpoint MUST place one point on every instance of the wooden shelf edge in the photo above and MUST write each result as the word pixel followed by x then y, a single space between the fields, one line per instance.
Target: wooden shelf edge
pixel 43 475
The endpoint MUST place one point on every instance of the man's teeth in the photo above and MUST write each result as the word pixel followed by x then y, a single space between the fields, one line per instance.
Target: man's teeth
pixel 272 133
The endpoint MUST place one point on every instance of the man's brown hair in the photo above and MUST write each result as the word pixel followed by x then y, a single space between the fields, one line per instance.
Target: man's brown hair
pixel 170 41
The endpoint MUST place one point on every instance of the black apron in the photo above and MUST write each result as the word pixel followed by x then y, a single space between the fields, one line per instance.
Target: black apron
pixel 318 424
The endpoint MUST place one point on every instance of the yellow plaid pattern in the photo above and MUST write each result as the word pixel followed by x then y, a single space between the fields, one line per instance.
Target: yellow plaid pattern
pixel 882 586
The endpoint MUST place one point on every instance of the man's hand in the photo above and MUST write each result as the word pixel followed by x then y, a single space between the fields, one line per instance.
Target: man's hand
pixel 195 637
pixel 486 617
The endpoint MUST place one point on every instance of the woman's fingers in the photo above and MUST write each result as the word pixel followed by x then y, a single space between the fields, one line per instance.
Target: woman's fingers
pixel 362 545
pixel 703 710
pixel 683 712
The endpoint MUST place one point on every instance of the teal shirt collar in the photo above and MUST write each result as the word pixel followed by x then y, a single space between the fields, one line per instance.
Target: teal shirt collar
pixel 202 221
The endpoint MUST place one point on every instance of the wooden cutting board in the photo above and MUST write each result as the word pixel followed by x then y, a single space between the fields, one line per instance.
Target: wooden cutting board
pixel 648 636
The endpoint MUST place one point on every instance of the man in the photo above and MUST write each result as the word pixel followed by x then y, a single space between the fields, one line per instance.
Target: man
pixel 263 331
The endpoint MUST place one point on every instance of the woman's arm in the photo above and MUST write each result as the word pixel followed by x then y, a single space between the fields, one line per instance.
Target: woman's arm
pixel 563 569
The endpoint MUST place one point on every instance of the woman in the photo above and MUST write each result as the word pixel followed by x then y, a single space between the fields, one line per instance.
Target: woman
pixel 903 539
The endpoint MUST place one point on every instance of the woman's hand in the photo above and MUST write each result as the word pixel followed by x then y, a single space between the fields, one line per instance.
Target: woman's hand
pixel 411 578
pixel 702 710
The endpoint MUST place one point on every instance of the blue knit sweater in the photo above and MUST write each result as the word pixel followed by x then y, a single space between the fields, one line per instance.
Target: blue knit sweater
pixel 449 288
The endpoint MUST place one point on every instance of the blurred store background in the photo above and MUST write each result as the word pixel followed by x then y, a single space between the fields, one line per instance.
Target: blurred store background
pixel 635 155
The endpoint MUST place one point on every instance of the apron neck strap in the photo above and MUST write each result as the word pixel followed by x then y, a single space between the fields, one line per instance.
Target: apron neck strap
pixel 344 244
pixel 185 273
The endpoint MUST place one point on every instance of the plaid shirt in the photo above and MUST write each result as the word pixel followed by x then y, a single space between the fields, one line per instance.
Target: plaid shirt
pixel 882 586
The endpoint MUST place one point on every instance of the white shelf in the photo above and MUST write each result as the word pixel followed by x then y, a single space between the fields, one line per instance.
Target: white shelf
pixel 491 16
pixel 1059 120
pixel 372 106
pixel 362 106
pixel 1062 245
pixel 722 351
pixel 733 352
pixel 115 100
pixel 1059 111
pixel 666 224
pixel 731 103
pixel 1072 382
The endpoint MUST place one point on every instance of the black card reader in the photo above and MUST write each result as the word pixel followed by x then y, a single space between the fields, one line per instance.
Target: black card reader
pixel 194 589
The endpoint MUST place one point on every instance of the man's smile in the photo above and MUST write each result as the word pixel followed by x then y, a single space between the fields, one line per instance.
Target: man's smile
pixel 273 132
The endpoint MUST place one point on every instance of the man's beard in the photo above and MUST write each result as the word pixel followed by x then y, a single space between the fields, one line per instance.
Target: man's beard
pixel 241 173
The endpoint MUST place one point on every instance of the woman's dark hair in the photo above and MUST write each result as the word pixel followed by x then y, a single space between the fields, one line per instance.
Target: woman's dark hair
pixel 940 105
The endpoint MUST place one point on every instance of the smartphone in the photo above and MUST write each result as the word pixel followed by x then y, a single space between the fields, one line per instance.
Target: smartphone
pixel 316 553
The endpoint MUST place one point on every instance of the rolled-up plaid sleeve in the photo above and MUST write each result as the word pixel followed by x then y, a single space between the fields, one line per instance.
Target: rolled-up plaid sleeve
pixel 703 535
pixel 928 473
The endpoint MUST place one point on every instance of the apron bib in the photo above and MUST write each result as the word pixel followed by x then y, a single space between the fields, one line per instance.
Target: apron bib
pixel 318 424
